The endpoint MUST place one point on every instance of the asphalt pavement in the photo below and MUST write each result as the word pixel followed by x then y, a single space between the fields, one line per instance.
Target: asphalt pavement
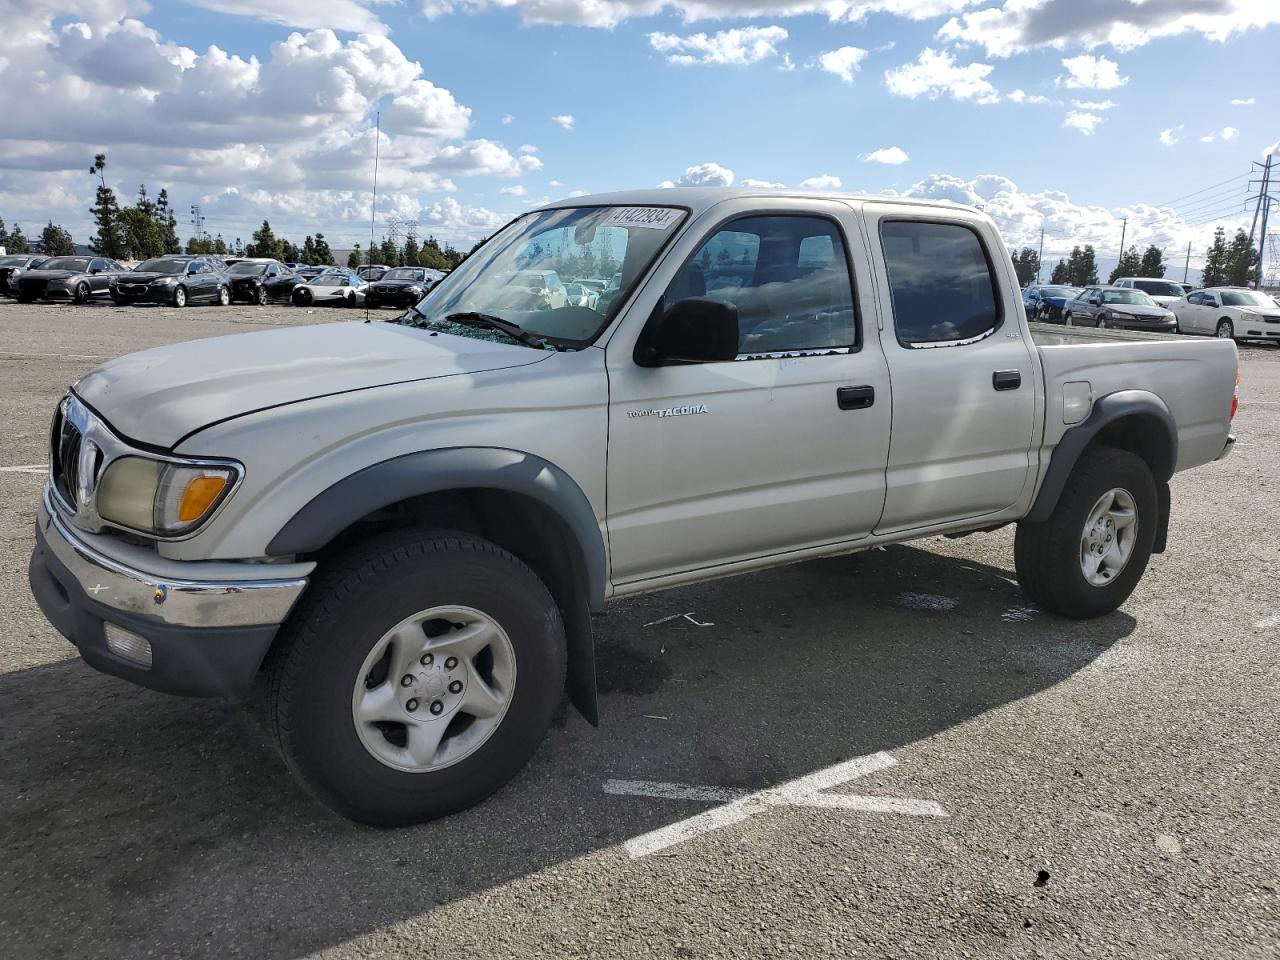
pixel 892 754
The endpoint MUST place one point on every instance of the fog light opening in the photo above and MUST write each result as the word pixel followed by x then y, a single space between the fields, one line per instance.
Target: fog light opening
pixel 128 645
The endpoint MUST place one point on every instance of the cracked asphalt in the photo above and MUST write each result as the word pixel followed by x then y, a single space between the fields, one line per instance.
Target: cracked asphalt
pixel 1110 787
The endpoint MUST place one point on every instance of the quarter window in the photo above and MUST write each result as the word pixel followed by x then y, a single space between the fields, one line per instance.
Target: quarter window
pixel 941 282
pixel 787 276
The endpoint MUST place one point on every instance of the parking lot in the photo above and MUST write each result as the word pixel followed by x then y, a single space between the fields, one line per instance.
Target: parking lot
pixel 887 754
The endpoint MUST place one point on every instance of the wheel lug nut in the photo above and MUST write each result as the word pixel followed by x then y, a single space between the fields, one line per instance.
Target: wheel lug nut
pixel 437 708
pixel 455 687
pixel 412 705
pixel 427 660
pixel 407 680
pixel 450 663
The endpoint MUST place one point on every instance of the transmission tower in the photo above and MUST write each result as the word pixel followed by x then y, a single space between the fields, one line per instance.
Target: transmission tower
pixel 1271 269
pixel 197 220
pixel 400 229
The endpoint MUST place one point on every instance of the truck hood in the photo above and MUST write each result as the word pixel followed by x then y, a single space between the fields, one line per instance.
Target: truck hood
pixel 160 396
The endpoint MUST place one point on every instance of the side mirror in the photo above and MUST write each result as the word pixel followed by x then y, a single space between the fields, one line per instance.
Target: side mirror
pixel 698 330
pixel 1095 301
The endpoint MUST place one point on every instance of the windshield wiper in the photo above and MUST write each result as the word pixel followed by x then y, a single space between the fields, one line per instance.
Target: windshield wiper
pixel 472 318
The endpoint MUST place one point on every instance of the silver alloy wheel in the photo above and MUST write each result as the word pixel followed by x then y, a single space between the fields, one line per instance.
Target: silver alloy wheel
pixel 224 297
pixel 1224 330
pixel 1109 536
pixel 180 297
pixel 434 688
pixel 1067 321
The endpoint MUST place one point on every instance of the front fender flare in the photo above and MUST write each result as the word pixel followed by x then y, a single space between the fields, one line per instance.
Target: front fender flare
pixel 1106 410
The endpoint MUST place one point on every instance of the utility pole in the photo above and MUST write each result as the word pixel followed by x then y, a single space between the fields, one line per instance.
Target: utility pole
pixel 1262 238
pixel 1124 226
pixel 1186 266
pixel 1266 178
pixel 1040 255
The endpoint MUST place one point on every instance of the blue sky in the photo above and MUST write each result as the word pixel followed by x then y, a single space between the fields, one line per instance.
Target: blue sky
pixel 1049 113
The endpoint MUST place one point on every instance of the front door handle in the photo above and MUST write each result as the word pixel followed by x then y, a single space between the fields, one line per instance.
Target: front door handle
pixel 1006 379
pixel 855 398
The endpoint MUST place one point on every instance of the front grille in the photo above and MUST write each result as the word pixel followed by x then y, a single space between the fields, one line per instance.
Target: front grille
pixel 64 458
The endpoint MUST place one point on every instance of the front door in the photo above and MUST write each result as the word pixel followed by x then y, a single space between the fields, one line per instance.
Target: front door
pixel 781 449
pixel 964 390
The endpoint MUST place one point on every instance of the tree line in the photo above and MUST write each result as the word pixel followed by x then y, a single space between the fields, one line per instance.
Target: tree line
pixel 429 254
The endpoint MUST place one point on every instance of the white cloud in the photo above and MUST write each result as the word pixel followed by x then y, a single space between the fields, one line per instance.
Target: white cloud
pixel 352 16
pixel 1208 138
pixel 526 148
pixel 1093 104
pixel 480 157
pixel 515 190
pixel 425 110
pixel 506 119
pixel 741 46
pixel 825 181
pixel 892 156
pixel 554 183
pixel 1272 151
pixel 1091 73
pixel 1229 133
pixel 762 184
pixel 1020 25
pixel 1021 96
pixel 1245 102
pixel 936 74
pixel 565 120
pixel 702 175
pixel 1171 135
pixel 844 62
pixel 1083 121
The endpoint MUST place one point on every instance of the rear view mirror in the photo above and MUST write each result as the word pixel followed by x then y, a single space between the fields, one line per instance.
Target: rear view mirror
pixel 698 330
pixel 1095 302
pixel 584 233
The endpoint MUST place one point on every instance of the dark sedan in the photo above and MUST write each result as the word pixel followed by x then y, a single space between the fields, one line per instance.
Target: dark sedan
pixel 1045 301
pixel 69 279
pixel 175 281
pixel 1119 308
pixel 261 281
pixel 401 287
pixel 12 267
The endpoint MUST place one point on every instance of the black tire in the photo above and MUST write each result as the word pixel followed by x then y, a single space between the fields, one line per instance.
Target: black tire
pixel 224 296
pixel 83 293
pixel 302 298
pixel 1067 320
pixel 313 668
pixel 260 298
pixel 1103 323
pixel 180 297
pixel 1047 555
pixel 21 299
pixel 371 303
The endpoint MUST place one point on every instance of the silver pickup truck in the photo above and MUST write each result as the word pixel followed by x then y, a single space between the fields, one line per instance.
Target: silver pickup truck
pixel 395 533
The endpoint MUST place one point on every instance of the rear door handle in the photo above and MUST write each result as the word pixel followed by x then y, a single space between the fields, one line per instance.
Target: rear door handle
pixel 855 398
pixel 1006 379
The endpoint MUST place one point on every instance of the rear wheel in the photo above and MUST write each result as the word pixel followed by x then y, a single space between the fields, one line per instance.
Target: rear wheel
pixel 1068 321
pixel 180 297
pixel 1225 330
pixel 419 675
pixel 1087 558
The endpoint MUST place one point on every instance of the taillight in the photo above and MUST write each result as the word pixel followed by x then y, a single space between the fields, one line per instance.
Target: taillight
pixel 1235 397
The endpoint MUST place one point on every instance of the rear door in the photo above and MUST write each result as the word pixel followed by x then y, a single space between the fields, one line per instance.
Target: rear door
pixel 964 384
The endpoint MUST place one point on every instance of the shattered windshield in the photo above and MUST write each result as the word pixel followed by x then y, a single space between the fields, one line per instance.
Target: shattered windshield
pixel 519 275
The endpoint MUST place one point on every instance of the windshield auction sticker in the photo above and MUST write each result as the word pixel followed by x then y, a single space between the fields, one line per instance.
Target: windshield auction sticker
pixel 648 218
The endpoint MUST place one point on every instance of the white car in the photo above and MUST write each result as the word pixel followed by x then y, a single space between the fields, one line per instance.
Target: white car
pixel 1163 292
pixel 342 288
pixel 1232 313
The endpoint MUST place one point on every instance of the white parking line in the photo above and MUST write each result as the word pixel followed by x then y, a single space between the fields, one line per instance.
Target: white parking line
pixel 27 468
pixel 1268 623
pixel 6 355
pixel 740 805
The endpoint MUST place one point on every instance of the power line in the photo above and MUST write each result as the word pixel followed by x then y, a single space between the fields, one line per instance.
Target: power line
pixel 1196 193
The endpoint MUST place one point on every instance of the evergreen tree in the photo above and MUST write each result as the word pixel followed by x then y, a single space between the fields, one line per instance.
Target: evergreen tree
pixel 1242 261
pixel 4 237
pixel 1152 262
pixel 264 243
pixel 56 242
pixel 323 255
pixel 353 258
pixel 1215 261
pixel 141 229
pixel 220 246
pixel 409 256
pixel 288 251
pixel 200 246
pixel 390 253
pixel 1026 263
pixel 1082 267
pixel 16 241
pixel 431 255
pixel 1129 265
pixel 168 224
pixel 308 250
pixel 110 241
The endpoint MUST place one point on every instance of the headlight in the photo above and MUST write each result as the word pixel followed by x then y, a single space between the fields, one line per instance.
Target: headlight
pixel 417 291
pixel 161 498
pixel 162 282
pixel 1250 317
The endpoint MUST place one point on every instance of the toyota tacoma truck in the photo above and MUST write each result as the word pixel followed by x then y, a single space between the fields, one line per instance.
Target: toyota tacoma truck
pixel 392 535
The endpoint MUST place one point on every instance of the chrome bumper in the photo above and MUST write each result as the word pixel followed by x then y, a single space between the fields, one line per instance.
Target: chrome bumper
pixel 239 602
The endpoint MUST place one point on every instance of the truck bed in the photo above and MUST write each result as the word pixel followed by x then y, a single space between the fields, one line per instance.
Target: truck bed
pixel 1057 335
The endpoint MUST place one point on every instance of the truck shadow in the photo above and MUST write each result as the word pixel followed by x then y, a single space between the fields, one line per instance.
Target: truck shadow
pixel 131 819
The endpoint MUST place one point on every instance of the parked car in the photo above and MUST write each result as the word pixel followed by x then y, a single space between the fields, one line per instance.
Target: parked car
pixel 1163 292
pixel 307 271
pixel 1230 313
pixel 401 287
pixel 261 281
pixel 534 290
pixel 580 295
pixel 335 288
pixel 1118 308
pixel 174 280
pixel 12 267
pixel 405 524
pixel 372 271
pixel 1045 302
pixel 1186 287
pixel 69 279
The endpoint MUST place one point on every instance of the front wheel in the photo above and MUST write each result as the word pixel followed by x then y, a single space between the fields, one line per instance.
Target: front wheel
pixel 180 297
pixel 1225 330
pixel 1104 323
pixel 302 298
pixel 1068 321
pixel 224 297
pixel 82 292
pixel 261 296
pixel 1087 558
pixel 419 675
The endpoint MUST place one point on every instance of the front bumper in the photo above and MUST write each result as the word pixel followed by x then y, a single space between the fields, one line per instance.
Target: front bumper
pixel 394 298
pixel 207 637
pixel 245 291
pixel 148 294
pixel 1164 326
